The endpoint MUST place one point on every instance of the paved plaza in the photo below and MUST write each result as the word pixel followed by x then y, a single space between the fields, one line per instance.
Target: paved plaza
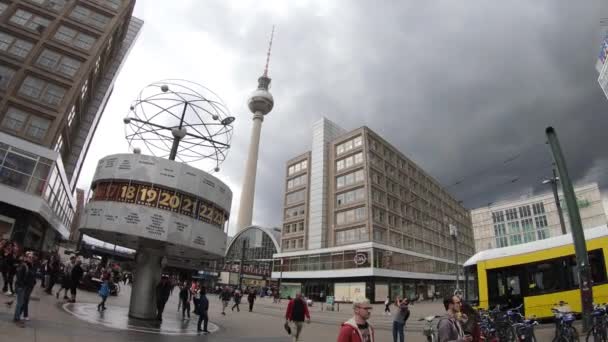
pixel 54 320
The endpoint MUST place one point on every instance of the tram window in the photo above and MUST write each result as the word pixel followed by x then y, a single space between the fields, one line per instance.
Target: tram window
pixel 544 277
pixel 513 283
pixel 598 266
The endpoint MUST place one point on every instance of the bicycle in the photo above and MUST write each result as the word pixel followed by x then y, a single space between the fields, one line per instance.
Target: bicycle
pixel 564 317
pixel 430 329
pixel 599 330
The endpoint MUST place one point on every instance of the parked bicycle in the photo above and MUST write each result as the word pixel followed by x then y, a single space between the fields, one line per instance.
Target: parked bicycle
pixel 564 319
pixel 599 330
pixel 430 328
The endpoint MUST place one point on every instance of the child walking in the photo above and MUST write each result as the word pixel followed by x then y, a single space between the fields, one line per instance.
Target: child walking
pixel 104 291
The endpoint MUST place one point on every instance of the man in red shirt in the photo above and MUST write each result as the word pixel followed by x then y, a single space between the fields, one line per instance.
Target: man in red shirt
pixel 357 329
pixel 297 310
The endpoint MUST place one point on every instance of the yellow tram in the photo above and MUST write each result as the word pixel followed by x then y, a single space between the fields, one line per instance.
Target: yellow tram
pixel 537 274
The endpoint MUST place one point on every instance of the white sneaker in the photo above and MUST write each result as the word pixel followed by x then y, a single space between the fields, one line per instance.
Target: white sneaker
pixel 9 293
pixel 26 318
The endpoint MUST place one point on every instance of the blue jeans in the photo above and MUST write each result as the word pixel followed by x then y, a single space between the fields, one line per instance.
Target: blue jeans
pixel 23 300
pixel 398 331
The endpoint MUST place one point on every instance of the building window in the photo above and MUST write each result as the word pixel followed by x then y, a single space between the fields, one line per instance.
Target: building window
pixel 71 116
pixel 360 234
pixel 59 143
pixel 538 208
pixel 525 211
pixel 297 181
pixel 14 119
pixel 16 47
pixel 6 75
pixel 59 63
pixel 348 179
pixel 511 214
pixel 348 145
pixel 500 233
pixel 350 161
pixel 41 90
pixel 294 212
pixel 295 197
pixel 113 4
pixel 295 168
pixel 349 197
pixel 528 228
pixel 37 128
pixel 90 17
pixel 498 216
pixel 74 38
pixel 29 20
pixel 350 216
pixel 55 5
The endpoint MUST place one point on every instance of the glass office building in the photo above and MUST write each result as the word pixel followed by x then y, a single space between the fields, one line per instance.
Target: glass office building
pixel 58 63
pixel 362 219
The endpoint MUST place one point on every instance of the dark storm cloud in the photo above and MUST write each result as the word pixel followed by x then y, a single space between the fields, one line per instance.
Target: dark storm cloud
pixel 459 87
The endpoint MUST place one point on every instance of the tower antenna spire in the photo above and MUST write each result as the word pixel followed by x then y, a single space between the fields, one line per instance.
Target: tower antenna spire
pixel 268 53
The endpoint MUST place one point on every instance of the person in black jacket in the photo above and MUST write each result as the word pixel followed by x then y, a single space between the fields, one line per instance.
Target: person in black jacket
pixel 251 298
pixel 203 308
pixel 185 296
pixel 54 269
pixel 163 291
pixel 8 268
pixel 76 274
pixel 26 280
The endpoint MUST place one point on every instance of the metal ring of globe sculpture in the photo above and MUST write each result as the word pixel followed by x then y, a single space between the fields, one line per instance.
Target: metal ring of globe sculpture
pixel 180 120
pixel 170 212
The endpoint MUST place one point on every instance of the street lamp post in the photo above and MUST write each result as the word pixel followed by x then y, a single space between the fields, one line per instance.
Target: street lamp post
pixel 280 279
pixel 553 181
pixel 454 235
pixel 242 264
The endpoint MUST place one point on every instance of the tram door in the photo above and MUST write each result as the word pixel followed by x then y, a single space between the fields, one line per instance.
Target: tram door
pixel 504 287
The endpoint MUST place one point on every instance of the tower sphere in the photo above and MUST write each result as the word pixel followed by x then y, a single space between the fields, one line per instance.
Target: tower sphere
pixel 261 100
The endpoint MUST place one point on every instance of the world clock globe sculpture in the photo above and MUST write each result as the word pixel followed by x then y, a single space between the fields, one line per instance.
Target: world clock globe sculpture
pixel 154 200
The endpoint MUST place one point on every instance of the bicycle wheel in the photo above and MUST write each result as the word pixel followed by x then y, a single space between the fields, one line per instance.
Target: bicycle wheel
pixel 596 334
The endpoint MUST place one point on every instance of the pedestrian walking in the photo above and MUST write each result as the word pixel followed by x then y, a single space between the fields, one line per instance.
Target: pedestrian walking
pixel 76 275
pixel 66 281
pixel 203 311
pixel 297 311
pixel 225 298
pixel 54 269
pixel 8 268
pixel 237 300
pixel 387 304
pixel 358 329
pixel 399 319
pixel 184 297
pixel 24 284
pixel 251 299
pixel 104 292
pixel 163 290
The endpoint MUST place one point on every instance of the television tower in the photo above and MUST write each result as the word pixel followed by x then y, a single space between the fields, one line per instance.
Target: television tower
pixel 260 103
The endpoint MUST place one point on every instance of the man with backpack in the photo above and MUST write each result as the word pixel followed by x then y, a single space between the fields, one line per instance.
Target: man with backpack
pixel 399 319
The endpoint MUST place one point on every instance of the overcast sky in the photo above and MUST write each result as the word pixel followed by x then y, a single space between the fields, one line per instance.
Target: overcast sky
pixel 458 86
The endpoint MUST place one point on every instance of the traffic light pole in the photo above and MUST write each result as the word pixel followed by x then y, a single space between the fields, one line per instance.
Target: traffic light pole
pixel 578 236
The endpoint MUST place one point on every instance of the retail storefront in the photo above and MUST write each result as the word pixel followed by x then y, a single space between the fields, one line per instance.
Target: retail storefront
pixel 373 272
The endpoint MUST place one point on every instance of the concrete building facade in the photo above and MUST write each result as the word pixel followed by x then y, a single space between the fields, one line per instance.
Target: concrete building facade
pixel 533 218
pixel 58 63
pixel 360 218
